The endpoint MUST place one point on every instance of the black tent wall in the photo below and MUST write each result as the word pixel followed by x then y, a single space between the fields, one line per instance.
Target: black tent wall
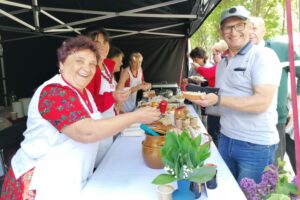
pixel 30 53
pixel 28 63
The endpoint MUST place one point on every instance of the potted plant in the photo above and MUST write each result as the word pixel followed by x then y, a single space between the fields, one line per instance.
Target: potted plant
pixel 183 158
pixel 274 185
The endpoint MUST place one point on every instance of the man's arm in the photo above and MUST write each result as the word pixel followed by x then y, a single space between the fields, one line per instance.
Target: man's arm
pixel 257 103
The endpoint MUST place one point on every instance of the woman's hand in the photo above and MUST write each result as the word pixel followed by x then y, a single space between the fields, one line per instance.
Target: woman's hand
pixel 145 86
pixel 121 95
pixel 194 65
pixel 147 115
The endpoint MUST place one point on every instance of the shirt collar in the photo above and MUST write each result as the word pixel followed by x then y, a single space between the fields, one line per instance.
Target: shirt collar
pixel 242 51
pixel 246 48
pixel 262 43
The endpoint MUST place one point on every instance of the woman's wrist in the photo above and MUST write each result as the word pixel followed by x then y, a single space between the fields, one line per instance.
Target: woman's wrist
pixel 138 87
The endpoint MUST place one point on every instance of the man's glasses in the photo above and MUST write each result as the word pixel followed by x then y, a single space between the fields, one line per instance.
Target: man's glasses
pixel 238 27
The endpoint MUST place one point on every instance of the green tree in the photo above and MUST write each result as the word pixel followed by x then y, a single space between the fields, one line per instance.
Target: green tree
pixel 271 10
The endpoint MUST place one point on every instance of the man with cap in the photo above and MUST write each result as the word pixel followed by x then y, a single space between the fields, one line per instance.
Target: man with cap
pixel 248 77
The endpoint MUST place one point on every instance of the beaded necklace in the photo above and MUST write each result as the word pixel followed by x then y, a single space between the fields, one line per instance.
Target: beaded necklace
pixel 106 75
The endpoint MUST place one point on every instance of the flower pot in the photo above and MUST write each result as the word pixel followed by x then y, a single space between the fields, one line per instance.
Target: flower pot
pixel 151 156
pixel 183 191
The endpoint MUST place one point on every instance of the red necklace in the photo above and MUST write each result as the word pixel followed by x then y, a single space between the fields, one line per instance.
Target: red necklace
pixel 106 75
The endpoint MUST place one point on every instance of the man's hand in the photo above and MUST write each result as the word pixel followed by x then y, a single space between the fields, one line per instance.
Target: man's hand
pixel 206 100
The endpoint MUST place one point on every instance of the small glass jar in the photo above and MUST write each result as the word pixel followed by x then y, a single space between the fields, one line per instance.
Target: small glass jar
pixel 178 123
pixel 194 122
pixel 186 122
pixel 212 184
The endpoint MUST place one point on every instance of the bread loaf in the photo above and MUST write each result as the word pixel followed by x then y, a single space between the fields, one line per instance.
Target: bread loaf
pixel 193 95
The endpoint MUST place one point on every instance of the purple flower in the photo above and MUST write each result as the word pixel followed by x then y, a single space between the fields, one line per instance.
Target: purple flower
pixel 268 185
pixel 294 181
pixel 270 177
pixel 262 189
pixel 248 186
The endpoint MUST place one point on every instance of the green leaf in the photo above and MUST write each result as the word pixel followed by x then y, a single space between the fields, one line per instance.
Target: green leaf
pixel 193 157
pixel 202 174
pixel 171 141
pixel 180 150
pixel 197 141
pixel 163 179
pixel 286 188
pixel 278 197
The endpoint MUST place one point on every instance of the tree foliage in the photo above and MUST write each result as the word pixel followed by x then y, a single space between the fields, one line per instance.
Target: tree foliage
pixel 272 11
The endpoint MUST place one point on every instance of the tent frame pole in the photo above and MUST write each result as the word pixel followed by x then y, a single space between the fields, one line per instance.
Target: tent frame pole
pixel 3 78
pixel 293 90
pixel 36 9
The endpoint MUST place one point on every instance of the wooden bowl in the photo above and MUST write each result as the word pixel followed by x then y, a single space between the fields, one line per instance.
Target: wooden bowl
pixel 154 141
pixel 151 156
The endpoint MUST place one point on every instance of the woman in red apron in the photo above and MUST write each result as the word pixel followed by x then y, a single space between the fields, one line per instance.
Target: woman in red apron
pixel 103 87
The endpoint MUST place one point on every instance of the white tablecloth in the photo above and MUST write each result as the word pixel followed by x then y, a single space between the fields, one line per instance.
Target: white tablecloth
pixel 124 175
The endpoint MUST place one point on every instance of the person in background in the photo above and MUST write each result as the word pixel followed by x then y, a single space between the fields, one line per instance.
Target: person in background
pixel 218 51
pixel 258 31
pixel 281 49
pixel 102 86
pixel 133 77
pixel 64 128
pixel 247 98
pixel 213 121
pixel 117 56
pixel 199 57
pixel 289 129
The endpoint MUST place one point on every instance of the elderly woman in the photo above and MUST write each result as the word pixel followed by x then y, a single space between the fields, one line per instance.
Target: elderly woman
pixel 133 77
pixel 64 126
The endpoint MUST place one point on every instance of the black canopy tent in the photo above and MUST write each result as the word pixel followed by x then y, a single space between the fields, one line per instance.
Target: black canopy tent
pixel 31 31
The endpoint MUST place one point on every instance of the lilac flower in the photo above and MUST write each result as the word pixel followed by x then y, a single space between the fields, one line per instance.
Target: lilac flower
pixel 270 179
pixel 294 181
pixel 262 189
pixel 248 186
pixel 268 187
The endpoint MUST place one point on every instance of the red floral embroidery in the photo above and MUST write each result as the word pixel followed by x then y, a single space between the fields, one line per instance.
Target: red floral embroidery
pixel 17 189
pixel 61 106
